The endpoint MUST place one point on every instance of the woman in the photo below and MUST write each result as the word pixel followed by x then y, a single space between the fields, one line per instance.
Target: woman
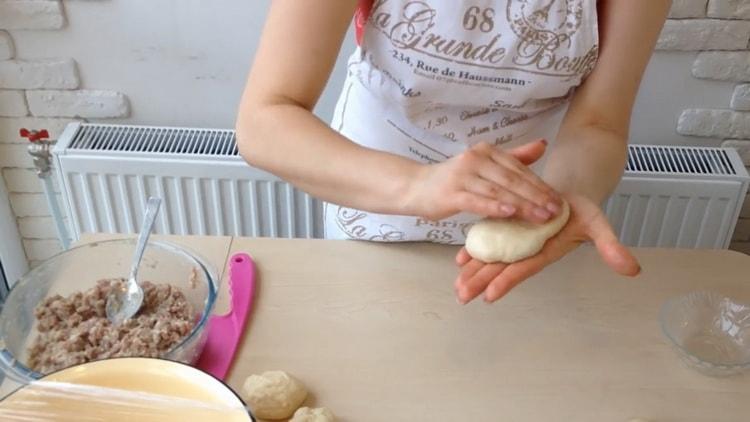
pixel 446 105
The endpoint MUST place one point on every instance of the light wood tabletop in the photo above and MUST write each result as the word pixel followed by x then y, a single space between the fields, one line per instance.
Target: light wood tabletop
pixel 376 334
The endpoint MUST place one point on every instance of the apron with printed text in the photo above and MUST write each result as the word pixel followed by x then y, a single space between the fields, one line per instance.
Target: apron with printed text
pixel 431 78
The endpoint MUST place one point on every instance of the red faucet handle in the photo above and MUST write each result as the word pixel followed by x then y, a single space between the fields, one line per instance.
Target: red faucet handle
pixel 34 135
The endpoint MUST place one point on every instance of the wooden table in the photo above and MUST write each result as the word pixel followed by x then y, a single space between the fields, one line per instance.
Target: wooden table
pixel 376 334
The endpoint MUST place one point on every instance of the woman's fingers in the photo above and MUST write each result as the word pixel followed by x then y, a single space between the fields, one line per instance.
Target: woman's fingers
pixel 476 203
pixel 529 196
pixel 510 182
pixel 481 187
pixel 475 285
pixel 529 153
pixel 496 280
pixel 519 271
pixel 614 254
pixel 509 202
pixel 462 257
pixel 475 277
pixel 468 271
pixel 514 192
pixel 508 161
pixel 522 156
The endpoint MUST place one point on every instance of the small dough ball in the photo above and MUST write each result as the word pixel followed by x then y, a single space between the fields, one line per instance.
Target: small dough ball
pixel 306 414
pixel 509 240
pixel 273 394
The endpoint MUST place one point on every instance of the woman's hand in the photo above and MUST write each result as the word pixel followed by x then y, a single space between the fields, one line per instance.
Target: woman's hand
pixel 587 223
pixel 487 181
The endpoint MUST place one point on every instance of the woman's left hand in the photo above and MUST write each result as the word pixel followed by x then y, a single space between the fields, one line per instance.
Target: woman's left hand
pixel 587 223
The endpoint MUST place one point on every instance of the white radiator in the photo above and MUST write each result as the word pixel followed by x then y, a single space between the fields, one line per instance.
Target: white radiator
pixel 107 172
pixel 669 196
pixel 685 197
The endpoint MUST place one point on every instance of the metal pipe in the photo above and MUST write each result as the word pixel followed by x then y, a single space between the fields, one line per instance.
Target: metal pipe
pixel 40 150
pixel 54 207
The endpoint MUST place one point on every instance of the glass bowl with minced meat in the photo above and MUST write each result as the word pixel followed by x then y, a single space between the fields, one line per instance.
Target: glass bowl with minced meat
pixel 54 317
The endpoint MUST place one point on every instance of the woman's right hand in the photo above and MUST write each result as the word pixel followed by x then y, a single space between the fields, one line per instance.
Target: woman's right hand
pixel 487 181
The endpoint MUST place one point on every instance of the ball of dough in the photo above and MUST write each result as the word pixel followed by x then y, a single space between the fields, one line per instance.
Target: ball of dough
pixel 510 240
pixel 273 394
pixel 306 414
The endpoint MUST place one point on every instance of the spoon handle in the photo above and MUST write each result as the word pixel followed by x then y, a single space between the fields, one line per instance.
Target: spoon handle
pixel 152 210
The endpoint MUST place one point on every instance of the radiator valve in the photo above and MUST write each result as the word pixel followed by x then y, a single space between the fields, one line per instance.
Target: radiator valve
pixel 40 150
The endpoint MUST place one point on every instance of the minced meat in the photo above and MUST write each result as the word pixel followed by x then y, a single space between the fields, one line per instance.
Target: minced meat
pixel 75 329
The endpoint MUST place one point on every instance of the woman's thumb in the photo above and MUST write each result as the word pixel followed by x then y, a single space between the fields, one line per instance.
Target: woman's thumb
pixel 614 253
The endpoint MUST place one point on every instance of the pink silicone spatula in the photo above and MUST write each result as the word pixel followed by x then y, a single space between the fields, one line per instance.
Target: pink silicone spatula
pixel 225 331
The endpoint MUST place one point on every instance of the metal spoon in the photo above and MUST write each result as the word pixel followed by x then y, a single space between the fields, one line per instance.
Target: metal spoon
pixel 124 302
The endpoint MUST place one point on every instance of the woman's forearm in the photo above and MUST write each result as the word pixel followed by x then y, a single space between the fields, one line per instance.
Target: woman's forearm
pixel 587 160
pixel 277 131
pixel 289 141
pixel 590 153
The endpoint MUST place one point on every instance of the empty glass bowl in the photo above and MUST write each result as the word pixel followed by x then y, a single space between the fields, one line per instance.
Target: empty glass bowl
pixel 709 331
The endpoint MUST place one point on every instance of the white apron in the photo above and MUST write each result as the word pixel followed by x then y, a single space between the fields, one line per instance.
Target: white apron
pixel 431 78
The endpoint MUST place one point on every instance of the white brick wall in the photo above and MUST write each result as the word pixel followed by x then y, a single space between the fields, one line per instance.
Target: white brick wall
pixel 37 228
pixel 39 74
pixel 6 46
pixel 92 104
pixel 720 31
pixel 714 123
pixel 12 103
pixel 723 66
pixel 704 34
pixel 27 201
pixel 39 249
pixel 741 98
pixel 688 9
pixel 20 180
pixel 14 155
pixel 730 9
pixel 31 14
pixel 29 204
pixel 43 93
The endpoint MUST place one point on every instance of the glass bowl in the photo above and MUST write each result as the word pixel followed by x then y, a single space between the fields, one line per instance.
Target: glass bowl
pixel 126 389
pixel 79 269
pixel 710 332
